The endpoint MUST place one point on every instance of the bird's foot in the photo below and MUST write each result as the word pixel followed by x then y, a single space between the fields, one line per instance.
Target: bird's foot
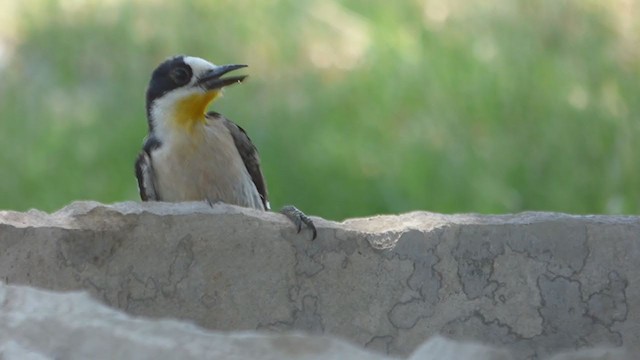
pixel 299 218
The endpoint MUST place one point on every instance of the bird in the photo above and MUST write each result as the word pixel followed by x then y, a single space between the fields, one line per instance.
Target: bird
pixel 192 154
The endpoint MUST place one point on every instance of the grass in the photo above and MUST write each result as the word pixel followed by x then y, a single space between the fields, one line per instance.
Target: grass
pixel 357 108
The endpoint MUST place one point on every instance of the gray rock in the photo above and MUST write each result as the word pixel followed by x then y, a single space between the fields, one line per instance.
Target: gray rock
pixel 37 324
pixel 533 283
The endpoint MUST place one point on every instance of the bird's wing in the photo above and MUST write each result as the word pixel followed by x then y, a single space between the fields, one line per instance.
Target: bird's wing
pixel 145 173
pixel 249 155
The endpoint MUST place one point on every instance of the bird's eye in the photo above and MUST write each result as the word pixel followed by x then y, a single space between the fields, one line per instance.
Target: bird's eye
pixel 180 75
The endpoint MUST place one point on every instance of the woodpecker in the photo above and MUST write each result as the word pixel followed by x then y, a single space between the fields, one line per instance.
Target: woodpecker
pixel 190 154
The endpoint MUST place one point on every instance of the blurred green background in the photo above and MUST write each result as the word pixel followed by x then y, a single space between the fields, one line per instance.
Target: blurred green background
pixel 357 107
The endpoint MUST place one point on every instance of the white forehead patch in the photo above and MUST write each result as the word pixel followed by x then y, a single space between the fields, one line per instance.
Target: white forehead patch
pixel 198 65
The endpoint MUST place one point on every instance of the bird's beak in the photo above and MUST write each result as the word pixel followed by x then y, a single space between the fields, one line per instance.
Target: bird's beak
pixel 212 79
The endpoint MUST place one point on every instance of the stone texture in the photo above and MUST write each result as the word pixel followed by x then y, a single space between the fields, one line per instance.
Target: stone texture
pixel 37 324
pixel 533 283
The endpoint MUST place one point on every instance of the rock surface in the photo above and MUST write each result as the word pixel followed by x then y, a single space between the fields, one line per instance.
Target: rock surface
pixel 533 283
pixel 37 324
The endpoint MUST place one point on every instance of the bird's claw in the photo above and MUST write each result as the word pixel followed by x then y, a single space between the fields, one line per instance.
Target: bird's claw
pixel 299 218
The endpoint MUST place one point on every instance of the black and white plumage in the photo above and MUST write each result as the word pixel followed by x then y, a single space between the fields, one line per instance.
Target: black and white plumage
pixel 192 155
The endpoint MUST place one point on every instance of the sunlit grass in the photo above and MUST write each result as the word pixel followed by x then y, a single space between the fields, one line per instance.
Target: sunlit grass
pixel 357 108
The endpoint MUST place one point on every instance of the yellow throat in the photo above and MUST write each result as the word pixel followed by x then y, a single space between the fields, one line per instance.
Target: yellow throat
pixel 191 110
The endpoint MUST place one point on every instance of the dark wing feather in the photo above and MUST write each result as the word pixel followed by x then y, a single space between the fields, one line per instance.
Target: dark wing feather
pixel 249 155
pixel 145 173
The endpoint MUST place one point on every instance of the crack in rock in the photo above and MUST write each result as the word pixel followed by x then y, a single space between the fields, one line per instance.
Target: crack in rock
pixel 610 304
pixel 179 268
pixel 475 254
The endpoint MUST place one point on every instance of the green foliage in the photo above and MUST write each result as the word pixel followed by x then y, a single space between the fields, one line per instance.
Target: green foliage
pixel 357 107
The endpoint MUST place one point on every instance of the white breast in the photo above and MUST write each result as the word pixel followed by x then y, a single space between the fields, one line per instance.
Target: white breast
pixel 203 165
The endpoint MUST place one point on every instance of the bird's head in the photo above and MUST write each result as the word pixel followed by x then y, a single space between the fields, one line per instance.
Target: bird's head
pixel 181 89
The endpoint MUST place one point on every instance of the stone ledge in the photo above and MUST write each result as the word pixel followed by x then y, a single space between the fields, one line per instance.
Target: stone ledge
pixel 534 283
pixel 45 325
pixel 40 324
